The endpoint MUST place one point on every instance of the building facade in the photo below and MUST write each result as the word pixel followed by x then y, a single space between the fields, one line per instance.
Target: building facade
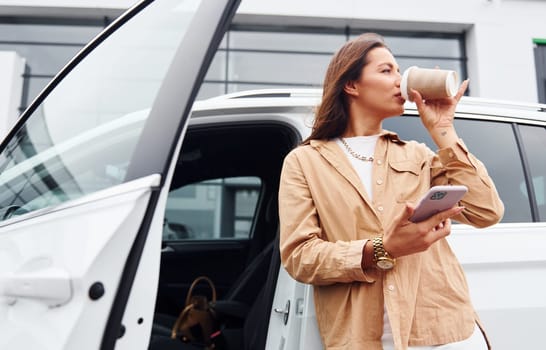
pixel 499 44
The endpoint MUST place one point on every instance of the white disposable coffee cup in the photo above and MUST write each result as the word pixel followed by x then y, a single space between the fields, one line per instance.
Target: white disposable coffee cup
pixel 431 83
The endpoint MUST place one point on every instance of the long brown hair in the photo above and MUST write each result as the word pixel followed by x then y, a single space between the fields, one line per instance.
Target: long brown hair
pixel 332 115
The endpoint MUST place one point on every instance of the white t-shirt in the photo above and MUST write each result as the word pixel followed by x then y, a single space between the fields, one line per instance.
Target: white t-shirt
pixel 365 146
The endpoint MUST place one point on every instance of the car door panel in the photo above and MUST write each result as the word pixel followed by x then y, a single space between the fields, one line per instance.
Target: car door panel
pixel 96 236
pixel 493 262
pixel 85 169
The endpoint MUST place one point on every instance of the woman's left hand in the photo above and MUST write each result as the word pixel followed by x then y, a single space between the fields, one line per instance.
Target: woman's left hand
pixel 437 115
pixel 439 112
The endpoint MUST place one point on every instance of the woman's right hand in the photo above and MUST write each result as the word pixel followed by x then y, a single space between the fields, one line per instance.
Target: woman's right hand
pixel 404 237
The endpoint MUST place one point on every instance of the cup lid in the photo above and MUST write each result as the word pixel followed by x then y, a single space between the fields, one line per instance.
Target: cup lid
pixel 452 83
pixel 404 83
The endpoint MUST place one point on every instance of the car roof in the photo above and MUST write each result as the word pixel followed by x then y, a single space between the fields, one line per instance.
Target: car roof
pixel 307 99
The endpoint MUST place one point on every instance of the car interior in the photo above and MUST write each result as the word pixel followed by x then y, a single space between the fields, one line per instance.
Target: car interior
pixel 232 173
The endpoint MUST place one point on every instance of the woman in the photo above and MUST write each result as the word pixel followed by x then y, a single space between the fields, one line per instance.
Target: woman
pixel 345 201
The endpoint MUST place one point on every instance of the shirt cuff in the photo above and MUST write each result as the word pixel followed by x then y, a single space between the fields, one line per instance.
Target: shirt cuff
pixel 353 261
pixel 448 154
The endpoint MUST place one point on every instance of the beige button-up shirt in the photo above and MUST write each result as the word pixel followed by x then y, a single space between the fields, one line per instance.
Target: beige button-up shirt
pixel 326 216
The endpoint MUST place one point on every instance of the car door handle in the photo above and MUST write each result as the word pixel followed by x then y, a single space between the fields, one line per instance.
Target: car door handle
pixel 51 286
pixel 284 312
pixel 167 249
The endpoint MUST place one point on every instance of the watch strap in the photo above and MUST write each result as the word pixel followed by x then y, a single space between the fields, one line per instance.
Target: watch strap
pixel 379 252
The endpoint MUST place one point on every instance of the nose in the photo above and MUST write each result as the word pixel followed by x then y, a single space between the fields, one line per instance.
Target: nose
pixel 398 79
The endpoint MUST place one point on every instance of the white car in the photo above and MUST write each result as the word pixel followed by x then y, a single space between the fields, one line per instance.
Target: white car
pixel 113 199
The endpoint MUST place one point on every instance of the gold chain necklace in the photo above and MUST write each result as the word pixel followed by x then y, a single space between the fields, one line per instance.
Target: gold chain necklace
pixel 353 153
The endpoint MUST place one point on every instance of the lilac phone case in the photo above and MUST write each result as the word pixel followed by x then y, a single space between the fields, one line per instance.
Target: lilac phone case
pixel 437 199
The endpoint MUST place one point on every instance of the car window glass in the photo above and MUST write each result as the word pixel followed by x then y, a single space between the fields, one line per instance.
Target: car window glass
pixel 534 142
pixel 495 145
pixel 213 209
pixel 81 138
pixel 499 153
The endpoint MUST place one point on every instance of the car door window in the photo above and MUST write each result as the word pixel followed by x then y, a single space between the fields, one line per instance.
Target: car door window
pixel 500 154
pixel 534 142
pixel 498 151
pixel 213 209
pixel 81 138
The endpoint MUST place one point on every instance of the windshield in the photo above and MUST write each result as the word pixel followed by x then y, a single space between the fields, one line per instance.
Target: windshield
pixel 81 138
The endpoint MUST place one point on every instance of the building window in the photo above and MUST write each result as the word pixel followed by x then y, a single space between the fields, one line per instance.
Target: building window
pixel 47 45
pixel 249 56
pixel 540 64
pixel 220 208
pixel 428 51
pixel 254 57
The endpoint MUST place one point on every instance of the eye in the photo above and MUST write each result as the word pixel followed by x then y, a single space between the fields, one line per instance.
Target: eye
pixel 386 70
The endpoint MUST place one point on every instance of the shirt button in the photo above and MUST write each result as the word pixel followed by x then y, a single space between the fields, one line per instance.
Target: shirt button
pixel 379 181
pixel 391 287
pixel 379 162
pixel 380 208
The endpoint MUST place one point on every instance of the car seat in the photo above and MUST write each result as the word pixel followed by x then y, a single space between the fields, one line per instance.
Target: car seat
pixel 253 333
pixel 236 303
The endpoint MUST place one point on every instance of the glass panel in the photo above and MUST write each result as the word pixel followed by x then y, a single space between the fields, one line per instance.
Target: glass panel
pixel 208 90
pixel 429 47
pixel 257 59
pixel 278 41
pixel 422 46
pixel 277 67
pixel 217 69
pixel 509 181
pixel 82 137
pixel 216 209
pixel 49 33
pixel 409 128
pixel 405 63
pixel 33 87
pixel 43 59
pixel 534 142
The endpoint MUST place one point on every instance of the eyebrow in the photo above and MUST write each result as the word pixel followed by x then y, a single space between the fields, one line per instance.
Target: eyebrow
pixel 388 64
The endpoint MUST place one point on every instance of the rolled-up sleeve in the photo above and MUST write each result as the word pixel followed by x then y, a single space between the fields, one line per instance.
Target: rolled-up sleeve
pixel 308 257
pixel 483 206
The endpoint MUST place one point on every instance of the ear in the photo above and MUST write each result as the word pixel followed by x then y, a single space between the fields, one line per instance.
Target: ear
pixel 350 88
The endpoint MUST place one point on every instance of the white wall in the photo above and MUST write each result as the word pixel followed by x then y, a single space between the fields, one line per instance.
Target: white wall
pixel 499 33
pixel 12 67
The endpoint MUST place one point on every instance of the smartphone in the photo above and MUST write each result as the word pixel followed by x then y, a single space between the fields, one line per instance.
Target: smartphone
pixel 437 199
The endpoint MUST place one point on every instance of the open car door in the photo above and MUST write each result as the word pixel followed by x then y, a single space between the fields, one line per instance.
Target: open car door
pixel 84 177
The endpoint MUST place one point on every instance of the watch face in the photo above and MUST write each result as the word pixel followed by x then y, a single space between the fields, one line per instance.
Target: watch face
pixel 385 263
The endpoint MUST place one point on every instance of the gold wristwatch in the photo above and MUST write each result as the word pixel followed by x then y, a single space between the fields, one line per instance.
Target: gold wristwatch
pixel 380 257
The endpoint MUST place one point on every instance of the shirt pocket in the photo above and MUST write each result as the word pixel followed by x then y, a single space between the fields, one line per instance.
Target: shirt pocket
pixel 409 179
